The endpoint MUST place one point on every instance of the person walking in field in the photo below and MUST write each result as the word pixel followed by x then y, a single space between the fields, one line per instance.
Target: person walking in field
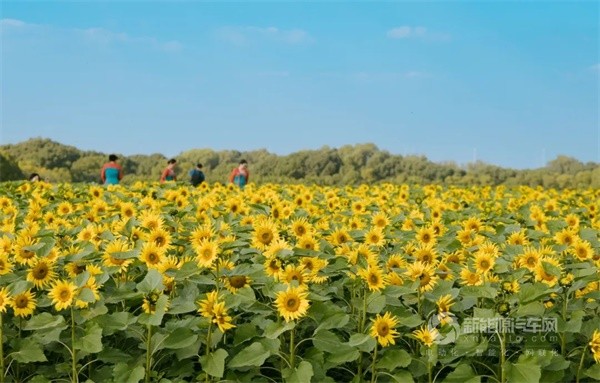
pixel 169 173
pixel 240 175
pixel 111 173
pixel 197 175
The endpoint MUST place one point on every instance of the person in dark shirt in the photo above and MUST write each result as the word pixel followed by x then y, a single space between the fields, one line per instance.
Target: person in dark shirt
pixel 197 175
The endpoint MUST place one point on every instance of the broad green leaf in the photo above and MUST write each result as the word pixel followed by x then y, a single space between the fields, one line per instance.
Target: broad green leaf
pixel 125 374
pixel 479 291
pixel 363 342
pixel 593 372
pixel 181 337
pixel 328 341
pixel 44 321
pixel 536 309
pixel 523 373
pixel 343 355
pixel 155 319
pixel 273 329
pixel 335 320
pixel 462 374
pixel 152 281
pixel 302 374
pixel 214 363
pixel 375 303
pixel 28 351
pixel 92 340
pixel 86 295
pixel 394 358
pixel 118 321
pixel 402 376
pixel 253 355
pixel 530 293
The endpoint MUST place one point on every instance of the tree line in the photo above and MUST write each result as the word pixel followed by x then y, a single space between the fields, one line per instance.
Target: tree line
pixel 347 165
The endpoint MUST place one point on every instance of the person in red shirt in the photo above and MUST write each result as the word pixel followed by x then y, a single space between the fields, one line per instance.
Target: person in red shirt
pixel 111 172
pixel 240 175
pixel 169 173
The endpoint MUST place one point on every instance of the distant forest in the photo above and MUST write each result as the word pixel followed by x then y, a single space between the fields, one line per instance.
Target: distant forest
pixel 347 165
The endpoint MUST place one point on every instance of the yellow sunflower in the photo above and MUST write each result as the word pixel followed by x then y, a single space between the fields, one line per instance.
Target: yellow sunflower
pixel 160 237
pixel 301 227
pixel 207 305
pixel 41 273
pixel 62 294
pixel 595 345
pixel 5 299
pixel 380 219
pixel 374 278
pixel 6 266
pixel 292 303
pixel 116 246
pixel 265 232
pixel 235 282
pixel 273 268
pixel 375 237
pixel 293 273
pixel 152 255
pixel 206 253
pixel 221 318
pixel 383 329
pixel 582 250
pixel 424 273
pixel 426 235
pixel 24 304
pixel 339 237
pixel 484 262
pixel 470 278
pixel 426 335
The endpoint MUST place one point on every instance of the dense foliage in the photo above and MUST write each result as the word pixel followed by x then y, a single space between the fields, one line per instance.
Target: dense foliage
pixel 296 283
pixel 348 165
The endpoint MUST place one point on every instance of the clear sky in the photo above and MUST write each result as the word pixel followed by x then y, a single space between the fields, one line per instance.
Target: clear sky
pixel 507 82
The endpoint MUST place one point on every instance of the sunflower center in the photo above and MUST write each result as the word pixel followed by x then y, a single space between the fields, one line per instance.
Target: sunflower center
pixel 159 241
pixel 27 254
pixel 373 279
pixel 425 279
pixel 484 264
pixel 152 258
pixel 40 272
pixel 426 237
pixel 237 281
pixel 300 230
pixel 266 237
pixel 21 302
pixel 383 329
pixel 64 295
pixel 292 304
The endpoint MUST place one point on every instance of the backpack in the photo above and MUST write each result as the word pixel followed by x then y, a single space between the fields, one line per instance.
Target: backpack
pixel 197 177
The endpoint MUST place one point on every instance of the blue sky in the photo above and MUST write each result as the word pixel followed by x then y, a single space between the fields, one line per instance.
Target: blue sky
pixel 509 83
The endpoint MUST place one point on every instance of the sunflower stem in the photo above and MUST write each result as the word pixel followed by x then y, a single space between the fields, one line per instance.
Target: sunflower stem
pixel 563 336
pixel 208 340
pixel 148 352
pixel 292 350
pixel 429 371
pixel 580 364
pixel 502 340
pixel 1 351
pixel 373 375
pixel 75 377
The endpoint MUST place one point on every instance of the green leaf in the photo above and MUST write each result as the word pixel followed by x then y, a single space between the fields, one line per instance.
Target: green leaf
pixel 214 363
pixel 462 374
pixel 479 291
pixel 343 355
pixel 523 373
pixel 181 337
pixel 156 318
pixel 273 329
pixel 86 295
pixel 44 321
pixel 394 358
pixel 92 340
pixel 531 309
pixel 593 372
pixel 335 320
pixel 152 281
pixel 403 376
pixel 375 303
pixel 530 293
pixel 301 374
pixel 328 341
pixel 362 342
pixel 123 373
pixel 27 351
pixel 253 355
pixel 118 321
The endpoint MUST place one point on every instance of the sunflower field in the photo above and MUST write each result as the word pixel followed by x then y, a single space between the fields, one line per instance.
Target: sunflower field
pixel 297 283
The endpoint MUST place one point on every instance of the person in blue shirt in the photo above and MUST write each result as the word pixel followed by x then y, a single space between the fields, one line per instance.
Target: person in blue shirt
pixel 111 172
pixel 197 175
